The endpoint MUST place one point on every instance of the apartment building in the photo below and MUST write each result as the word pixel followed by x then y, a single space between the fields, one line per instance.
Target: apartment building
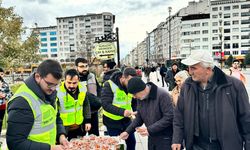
pixel 230 28
pixel 76 34
pixel 48 42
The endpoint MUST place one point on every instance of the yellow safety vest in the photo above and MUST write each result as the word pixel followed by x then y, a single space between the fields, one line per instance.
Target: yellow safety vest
pixel 44 127
pixel 120 99
pixel 71 110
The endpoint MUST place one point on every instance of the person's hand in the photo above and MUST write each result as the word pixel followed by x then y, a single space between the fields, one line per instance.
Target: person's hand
pixel 176 146
pixel 124 135
pixel 63 141
pixel 2 95
pixel 87 127
pixel 143 131
pixel 56 147
pixel 127 113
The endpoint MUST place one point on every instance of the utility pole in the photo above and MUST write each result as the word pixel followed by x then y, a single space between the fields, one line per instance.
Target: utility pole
pixel 221 44
pixel 169 23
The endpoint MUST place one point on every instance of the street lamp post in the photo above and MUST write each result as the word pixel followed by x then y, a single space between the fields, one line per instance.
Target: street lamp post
pixel 221 44
pixel 169 23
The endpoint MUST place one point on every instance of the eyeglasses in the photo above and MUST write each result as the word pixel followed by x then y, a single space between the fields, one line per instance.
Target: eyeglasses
pixel 50 85
pixel 83 66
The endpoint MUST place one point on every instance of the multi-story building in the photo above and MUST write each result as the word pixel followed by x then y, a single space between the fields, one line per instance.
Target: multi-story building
pixel 48 42
pixel 221 27
pixel 230 28
pixel 76 34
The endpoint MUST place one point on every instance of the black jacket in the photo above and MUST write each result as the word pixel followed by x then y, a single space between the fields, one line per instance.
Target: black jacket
pixel 21 119
pixel 169 78
pixel 107 99
pixel 232 113
pixel 156 112
pixel 108 74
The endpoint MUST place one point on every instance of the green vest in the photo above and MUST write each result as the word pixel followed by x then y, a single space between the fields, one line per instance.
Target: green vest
pixel 44 127
pixel 120 99
pixel 71 110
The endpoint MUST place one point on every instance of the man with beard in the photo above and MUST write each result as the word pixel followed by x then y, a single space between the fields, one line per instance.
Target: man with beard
pixel 89 79
pixel 73 105
pixel 33 120
pixel 117 105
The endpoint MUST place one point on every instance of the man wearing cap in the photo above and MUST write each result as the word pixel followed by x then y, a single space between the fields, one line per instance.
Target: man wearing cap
pixel 155 110
pixel 117 104
pixel 212 111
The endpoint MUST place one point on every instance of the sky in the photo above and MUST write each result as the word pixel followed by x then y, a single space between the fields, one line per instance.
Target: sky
pixel 133 17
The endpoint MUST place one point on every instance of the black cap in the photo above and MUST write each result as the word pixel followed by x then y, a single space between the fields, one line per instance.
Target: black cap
pixel 136 85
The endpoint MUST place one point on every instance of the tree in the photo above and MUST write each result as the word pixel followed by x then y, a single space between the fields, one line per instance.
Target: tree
pixel 229 61
pixel 247 59
pixel 13 51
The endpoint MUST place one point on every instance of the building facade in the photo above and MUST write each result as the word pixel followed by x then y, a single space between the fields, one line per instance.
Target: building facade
pixel 48 42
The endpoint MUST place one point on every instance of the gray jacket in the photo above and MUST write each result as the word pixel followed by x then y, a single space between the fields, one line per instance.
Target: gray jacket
pixel 156 112
pixel 231 109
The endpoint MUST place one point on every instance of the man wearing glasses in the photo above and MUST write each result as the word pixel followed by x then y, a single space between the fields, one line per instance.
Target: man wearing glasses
pixel 89 79
pixel 33 119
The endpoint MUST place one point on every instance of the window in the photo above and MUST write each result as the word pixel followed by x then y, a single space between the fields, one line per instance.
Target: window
pixel 53 44
pixel 197 40
pixel 245 44
pixel 235 29
pixel 245 29
pixel 52 38
pixel 215 38
pixel 226 30
pixel 243 14
pixel 236 7
pixel 245 6
pixel 53 49
pixel 204 39
pixel 215 31
pixel 226 46
pixel 235 14
pixel 215 9
pixel 235 45
pixel 245 21
pixel 226 23
pixel 196 25
pixel 227 38
pixel 43 39
pixel 44 50
pixel 43 34
pixel 214 16
pixel 53 55
pixel 205 24
pixel 235 22
pixel 53 33
pixel 245 37
pixel 44 45
pixel 226 52
pixel 196 32
pixel 226 15
pixel 215 23
pixel 235 52
pixel 227 8
pixel 235 37
pixel 205 47
pixel 205 32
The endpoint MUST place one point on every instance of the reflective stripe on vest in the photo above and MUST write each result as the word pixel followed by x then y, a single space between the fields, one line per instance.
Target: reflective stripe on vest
pixel 120 99
pixel 44 127
pixel 71 110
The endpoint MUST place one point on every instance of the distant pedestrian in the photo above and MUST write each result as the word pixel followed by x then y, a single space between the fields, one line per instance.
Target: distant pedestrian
pixel 163 72
pixel 212 111
pixel 235 71
pixel 138 71
pixel 108 69
pixel 170 76
pixel 180 78
pixel 155 110
pixel 5 95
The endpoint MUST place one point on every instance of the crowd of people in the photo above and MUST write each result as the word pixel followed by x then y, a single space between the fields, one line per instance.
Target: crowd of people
pixel 202 109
